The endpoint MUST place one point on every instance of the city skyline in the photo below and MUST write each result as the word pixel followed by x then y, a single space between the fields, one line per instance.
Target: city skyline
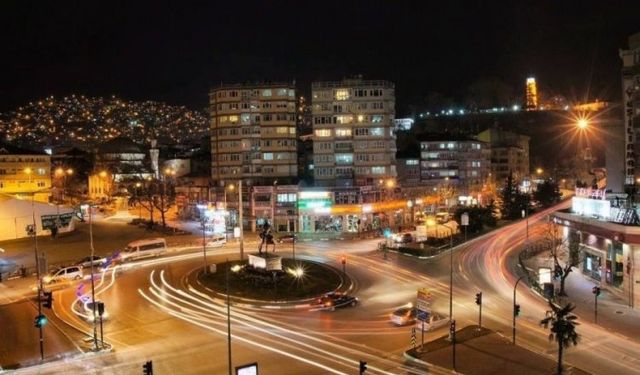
pixel 181 53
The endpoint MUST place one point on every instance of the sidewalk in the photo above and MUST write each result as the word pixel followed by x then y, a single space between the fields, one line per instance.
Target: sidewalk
pixel 614 313
pixel 487 353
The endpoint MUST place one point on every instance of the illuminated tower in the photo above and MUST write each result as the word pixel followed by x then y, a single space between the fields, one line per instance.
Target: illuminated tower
pixel 532 94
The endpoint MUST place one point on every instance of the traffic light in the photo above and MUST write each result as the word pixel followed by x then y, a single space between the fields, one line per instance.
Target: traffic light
pixel 147 368
pixel 40 321
pixel 452 327
pixel 363 367
pixel 516 310
pixel 596 290
pixel 48 300
pixel 479 298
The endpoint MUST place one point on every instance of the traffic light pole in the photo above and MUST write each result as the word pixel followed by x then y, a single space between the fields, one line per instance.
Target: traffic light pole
pixel 93 284
pixel 514 308
pixel 480 316
pixel 35 249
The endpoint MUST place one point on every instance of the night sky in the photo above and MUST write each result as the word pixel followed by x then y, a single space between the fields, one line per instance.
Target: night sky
pixel 175 52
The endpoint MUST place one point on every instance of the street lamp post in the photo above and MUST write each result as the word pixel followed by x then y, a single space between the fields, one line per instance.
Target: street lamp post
pixel 450 271
pixel 515 308
pixel 240 209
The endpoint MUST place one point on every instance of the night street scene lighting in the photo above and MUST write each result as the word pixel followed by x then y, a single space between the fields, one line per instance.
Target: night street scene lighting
pixel 287 188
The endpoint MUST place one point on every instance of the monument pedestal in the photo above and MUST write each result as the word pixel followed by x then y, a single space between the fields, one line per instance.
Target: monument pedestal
pixel 266 262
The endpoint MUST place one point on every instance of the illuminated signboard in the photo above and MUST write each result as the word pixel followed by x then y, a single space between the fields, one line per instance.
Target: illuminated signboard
pixel 591 193
pixel 314 195
pixel 591 207
pixel 314 203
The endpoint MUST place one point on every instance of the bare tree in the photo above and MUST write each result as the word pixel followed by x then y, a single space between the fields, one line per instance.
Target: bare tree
pixel 565 252
pixel 163 200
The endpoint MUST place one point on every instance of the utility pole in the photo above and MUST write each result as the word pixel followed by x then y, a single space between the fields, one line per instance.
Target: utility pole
pixel 240 209
pixel 596 292
pixel 93 284
pixel 228 319
pixel 204 243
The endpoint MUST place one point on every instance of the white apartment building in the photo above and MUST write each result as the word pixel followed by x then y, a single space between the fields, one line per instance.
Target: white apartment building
pixel 353 132
pixel 253 133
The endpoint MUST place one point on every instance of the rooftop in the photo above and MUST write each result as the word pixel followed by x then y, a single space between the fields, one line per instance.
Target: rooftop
pixel 7 149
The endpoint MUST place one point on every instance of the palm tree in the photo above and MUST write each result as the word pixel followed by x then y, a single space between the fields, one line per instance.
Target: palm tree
pixel 563 328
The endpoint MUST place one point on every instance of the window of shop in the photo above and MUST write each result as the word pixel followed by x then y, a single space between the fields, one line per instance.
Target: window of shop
pixel 614 265
pixel 353 222
pixel 591 265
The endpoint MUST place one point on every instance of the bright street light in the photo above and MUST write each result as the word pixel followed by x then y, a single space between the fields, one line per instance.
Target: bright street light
pixel 539 171
pixel 582 123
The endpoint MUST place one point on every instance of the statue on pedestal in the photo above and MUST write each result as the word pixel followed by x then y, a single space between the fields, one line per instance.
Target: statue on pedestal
pixel 267 239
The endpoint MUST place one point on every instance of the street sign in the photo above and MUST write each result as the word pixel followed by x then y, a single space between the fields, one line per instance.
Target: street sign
pixel 424 316
pixel 424 299
pixel 464 219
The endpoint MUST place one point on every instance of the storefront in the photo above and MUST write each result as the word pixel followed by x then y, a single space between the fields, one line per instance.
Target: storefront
pixel 609 250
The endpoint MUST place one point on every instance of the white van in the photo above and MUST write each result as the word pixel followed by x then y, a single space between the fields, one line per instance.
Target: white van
pixel 217 241
pixel 64 274
pixel 143 249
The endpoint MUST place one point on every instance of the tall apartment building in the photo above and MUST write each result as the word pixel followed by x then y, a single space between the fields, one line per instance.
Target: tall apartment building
pixel 509 153
pixel 463 163
pixel 253 133
pixel 631 105
pixel 353 132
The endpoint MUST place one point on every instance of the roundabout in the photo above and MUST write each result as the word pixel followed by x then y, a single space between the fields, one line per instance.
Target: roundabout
pixel 297 284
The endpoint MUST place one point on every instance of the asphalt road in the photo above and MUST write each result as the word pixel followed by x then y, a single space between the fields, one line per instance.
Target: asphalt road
pixel 156 313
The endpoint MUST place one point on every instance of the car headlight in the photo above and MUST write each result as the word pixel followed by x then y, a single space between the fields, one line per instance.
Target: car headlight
pixel 46 279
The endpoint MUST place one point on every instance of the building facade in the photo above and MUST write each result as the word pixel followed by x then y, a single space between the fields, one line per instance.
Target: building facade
pixel 607 233
pixel 461 164
pixel 253 133
pixel 353 132
pixel 24 173
pixel 631 106
pixel 509 153
pixel 531 94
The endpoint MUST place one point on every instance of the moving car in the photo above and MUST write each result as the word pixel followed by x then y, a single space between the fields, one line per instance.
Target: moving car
pixel 143 249
pixel 287 238
pixel 64 274
pixel 88 309
pixel 97 261
pixel 404 316
pixel 405 237
pixel 332 300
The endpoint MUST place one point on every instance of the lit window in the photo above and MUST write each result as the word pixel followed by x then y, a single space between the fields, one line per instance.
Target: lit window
pixel 344 158
pixel 412 162
pixel 377 170
pixel 282 130
pixel 267 156
pixel 282 92
pixel 343 132
pixel 246 118
pixel 376 118
pixel 233 119
pixel 292 130
pixel 266 92
pixel 342 94
pixel 377 132
pixel 346 119
pixel 451 145
pixel 323 132
pixel 360 118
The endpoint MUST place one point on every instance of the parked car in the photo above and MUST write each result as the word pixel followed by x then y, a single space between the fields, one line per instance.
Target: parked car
pixel 404 316
pixel 287 238
pixel 97 261
pixel 331 301
pixel 64 274
pixel 405 237
pixel 217 241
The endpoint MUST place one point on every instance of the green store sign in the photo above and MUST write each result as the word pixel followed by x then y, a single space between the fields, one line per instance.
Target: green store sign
pixel 314 203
